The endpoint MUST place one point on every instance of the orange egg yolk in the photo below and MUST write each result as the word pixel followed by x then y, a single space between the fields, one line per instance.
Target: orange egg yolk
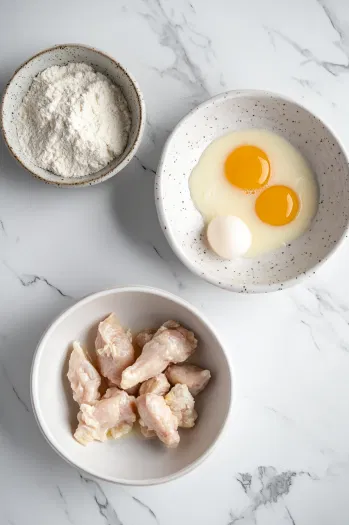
pixel 248 168
pixel 277 205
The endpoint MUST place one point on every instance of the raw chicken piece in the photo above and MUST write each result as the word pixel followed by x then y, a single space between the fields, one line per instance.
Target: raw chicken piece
pixel 84 378
pixel 157 416
pixel 193 376
pixel 114 349
pixel 181 403
pixel 171 344
pixel 144 337
pixel 156 385
pixel 113 415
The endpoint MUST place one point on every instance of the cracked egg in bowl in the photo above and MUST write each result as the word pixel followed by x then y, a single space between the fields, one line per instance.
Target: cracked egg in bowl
pixel 252 191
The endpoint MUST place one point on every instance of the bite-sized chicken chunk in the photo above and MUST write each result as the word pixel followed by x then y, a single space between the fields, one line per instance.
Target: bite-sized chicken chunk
pixel 114 349
pixel 171 344
pixel 193 376
pixel 84 378
pixel 113 416
pixel 181 403
pixel 144 337
pixel 156 385
pixel 156 415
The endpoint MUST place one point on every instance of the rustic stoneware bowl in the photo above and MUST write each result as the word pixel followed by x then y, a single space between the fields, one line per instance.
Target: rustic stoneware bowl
pixel 183 224
pixel 57 56
pixel 132 459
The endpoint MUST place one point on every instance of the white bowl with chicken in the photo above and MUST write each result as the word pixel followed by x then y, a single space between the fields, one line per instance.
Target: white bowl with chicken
pixel 132 385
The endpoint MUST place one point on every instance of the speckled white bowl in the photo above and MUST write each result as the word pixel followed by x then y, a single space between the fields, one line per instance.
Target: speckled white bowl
pixel 131 460
pixel 183 224
pixel 58 56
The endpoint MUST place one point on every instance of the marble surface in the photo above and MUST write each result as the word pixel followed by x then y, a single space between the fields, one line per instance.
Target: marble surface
pixel 285 457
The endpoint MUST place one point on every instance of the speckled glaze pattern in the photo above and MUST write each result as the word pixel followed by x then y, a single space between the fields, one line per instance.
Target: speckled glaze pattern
pixel 183 224
pixel 58 56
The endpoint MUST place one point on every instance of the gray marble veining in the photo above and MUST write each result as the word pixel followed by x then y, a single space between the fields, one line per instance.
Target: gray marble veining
pixel 284 460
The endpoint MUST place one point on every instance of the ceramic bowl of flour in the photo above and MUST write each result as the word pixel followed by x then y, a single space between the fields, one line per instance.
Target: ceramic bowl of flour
pixel 183 225
pixel 62 55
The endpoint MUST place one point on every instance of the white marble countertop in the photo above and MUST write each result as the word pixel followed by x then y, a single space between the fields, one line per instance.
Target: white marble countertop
pixel 285 457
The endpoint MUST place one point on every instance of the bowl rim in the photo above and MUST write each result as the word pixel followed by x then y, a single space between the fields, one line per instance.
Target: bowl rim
pixel 113 171
pixel 35 397
pixel 240 288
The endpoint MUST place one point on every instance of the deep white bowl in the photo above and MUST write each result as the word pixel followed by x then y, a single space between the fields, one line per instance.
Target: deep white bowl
pixel 57 56
pixel 183 224
pixel 131 460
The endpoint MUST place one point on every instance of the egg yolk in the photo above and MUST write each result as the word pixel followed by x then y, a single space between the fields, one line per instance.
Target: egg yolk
pixel 277 205
pixel 248 168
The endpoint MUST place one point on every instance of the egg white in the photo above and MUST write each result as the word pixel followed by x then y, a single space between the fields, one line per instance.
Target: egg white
pixel 213 195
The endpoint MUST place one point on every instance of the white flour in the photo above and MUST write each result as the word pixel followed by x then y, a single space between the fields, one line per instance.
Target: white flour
pixel 73 121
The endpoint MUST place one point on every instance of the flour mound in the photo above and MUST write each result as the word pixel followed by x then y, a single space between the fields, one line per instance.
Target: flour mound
pixel 73 121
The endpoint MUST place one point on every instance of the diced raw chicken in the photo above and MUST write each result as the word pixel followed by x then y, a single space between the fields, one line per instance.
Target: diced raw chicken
pixel 84 378
pixel 114 349
pixel 171 344
pixel 156 415
pixel 113 415
pixel 193 376
pixel 181 403
pixel 156 385
pixel 144 337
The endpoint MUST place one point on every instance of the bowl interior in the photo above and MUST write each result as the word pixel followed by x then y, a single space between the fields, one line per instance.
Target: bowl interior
pixel 131 459
pixel 59 56
pixel 183 224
